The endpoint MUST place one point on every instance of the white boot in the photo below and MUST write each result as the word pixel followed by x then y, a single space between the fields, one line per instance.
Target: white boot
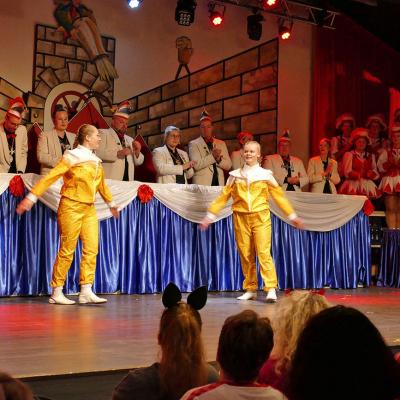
pixel 57 297
pixel 271 296
pixel 87 296
pixel 248 295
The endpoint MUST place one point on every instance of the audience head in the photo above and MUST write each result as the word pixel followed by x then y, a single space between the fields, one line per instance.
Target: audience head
pixel 284 144
pixel 324 147
pixel 395 136
pixel 13 389
pixel 359 139
pixel 182 364
pixel 376 126
pixel 206 126
pixel 292 313
pixel 60 118
pixel 345 124
pixel 172 136
pixel 120 118
pixel 245 343
pixel 88 136
pixel 341 355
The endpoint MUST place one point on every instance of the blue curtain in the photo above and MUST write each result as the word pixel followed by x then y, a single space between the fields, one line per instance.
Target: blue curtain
pixel 149 246
pixel 389 273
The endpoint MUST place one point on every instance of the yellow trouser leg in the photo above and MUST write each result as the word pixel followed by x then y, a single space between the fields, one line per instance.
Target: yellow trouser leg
pixel 246 250
pixel 69 218
pixel 261 229
pixel 90 245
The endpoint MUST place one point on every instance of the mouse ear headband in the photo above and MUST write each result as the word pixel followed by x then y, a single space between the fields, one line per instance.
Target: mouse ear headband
pixel 172 296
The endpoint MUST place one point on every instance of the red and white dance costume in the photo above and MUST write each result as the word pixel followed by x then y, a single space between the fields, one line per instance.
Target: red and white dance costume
pixel 359 168
pixel 389 167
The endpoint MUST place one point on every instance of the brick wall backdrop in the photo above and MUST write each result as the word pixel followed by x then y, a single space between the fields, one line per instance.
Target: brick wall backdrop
pixel 239 92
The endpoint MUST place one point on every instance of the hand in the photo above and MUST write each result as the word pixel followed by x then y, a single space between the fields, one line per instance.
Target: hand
pixel 293 180
pixel 114 212
pixel 121 154
pixel 25 205
pixel 329 169
pixel 205 223
pixel 188 165
pixel 298 223
pixel 216 154
pixel 74 34
pixel 136 147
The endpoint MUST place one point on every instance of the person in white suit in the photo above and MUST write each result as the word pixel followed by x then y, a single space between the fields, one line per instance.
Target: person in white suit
pixel 52 144
pixel 288 170
pixel 13 139
pixel 172 164
pixel 210 155
pixel 322 170
pixel 118 151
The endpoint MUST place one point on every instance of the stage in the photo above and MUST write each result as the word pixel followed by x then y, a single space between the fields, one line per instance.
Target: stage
pixel 38 339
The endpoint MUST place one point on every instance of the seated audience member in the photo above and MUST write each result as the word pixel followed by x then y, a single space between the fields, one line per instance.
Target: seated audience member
pixel 322 170
pixel 52 144
pixel 210 155
pixel 341 355
pixel 118 151
pixel 359 167
pixel 236 156
pixel 292 313
pixel 13 139
pixel 13 389
pixel 244 345
pixel 340 143
pixel 182 365
pixel 288 170
pixel 377 130
pixel 171 163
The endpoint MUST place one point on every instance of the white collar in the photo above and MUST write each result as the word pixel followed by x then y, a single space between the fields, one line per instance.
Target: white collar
pixel 252 173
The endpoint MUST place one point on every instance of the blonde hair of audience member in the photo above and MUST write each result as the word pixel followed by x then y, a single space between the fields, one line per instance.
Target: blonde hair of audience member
pixel 183 365
pixel 292 314
pixel 13 389
pixel 84 131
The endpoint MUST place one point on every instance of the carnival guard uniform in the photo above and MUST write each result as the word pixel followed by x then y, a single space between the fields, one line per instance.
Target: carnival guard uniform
pixel 83 177
pixel 250 188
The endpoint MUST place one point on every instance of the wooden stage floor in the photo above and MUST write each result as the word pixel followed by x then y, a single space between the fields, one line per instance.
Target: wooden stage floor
pixel 39 339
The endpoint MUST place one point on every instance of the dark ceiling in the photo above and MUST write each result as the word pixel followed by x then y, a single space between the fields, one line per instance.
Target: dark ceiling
pixel 380 17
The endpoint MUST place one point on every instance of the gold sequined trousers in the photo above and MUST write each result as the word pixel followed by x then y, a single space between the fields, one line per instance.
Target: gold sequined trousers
pixel 76 220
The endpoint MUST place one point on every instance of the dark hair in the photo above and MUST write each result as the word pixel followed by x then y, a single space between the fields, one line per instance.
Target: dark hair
pixel 341 355
pixel 245 342
pixel 83 131
pixel 13 389
pixel 58 108
pixel 183 365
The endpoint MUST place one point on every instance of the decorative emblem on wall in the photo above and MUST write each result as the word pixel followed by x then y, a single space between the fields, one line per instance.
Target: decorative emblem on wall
pixel 185 51
pixel 78 23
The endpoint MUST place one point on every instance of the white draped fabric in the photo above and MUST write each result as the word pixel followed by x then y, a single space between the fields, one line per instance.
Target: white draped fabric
pixel 320 212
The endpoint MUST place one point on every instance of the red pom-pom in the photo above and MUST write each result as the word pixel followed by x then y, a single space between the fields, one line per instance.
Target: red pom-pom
pixel 288 291
pixel 145 193
pixel 16 186
pixel 368 208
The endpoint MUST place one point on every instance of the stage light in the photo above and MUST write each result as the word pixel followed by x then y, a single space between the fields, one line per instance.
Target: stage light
pixel 184 12
pixel 254 26
pixel 268 3
pixel 285 30
pixel 216 12
pixel 134 3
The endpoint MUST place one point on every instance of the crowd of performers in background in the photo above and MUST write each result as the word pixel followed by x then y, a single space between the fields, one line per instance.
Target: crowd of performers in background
pixel 356 161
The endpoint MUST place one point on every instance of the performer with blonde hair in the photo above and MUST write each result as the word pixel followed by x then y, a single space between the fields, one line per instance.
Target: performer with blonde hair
pixel 250 188
pixel 83 177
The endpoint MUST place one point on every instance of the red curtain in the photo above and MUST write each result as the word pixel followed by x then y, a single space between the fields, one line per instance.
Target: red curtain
pixel 353 72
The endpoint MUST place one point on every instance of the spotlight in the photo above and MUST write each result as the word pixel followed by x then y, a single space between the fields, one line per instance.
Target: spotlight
pixel 254 26
pixel 268 3
pixel 184 12
pixel 285 30
pixel 216 12
pixel 134 3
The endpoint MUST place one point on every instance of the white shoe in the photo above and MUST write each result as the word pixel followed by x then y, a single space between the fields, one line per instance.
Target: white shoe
pixel 57 297
pixel 86 296
pixel 271 296
pixel 248 296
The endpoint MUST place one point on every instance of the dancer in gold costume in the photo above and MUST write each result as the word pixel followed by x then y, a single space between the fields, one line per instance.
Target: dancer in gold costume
pixel 250 188
pixel 83 177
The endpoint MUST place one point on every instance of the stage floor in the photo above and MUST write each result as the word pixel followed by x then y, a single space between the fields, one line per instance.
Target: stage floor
pixel 39 339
